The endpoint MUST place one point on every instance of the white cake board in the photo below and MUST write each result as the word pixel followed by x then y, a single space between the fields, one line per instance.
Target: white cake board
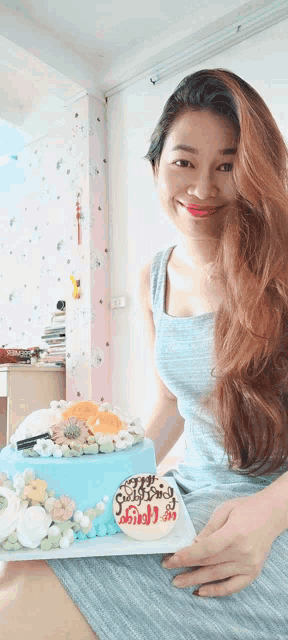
pixel 119 544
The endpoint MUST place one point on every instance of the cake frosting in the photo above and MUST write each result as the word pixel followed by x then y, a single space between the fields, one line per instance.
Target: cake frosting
pixel 59 474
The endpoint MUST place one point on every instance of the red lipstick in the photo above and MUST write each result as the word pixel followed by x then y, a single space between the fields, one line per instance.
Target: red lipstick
pixel 201 207
pixel 200 213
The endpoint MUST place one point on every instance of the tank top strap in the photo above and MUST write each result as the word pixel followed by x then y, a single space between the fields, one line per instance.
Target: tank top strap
pixel 158 281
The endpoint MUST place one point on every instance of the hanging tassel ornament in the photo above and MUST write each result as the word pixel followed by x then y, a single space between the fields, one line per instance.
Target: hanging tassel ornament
pixel 78 216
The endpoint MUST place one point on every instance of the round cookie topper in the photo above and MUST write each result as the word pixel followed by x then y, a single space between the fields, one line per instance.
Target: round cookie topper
pixel 145 507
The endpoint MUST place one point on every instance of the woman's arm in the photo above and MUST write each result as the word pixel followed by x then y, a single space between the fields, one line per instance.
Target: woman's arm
pixel 278 492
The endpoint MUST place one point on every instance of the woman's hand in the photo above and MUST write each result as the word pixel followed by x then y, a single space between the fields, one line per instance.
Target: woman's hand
pixel 232 548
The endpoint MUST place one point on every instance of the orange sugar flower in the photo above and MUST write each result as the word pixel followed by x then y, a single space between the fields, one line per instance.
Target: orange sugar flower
pixel 81 410
pixel 35 490
pixel 104 422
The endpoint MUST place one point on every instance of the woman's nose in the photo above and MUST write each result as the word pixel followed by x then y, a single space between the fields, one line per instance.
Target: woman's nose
pixel 203 189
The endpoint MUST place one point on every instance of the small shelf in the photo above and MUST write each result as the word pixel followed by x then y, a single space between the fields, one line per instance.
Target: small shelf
pixel 25 388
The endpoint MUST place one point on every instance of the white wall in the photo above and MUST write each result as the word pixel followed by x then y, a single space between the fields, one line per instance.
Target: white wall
pixel 138 226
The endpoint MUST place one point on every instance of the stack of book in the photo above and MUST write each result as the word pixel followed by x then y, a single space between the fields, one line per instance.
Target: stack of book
pixel 55 338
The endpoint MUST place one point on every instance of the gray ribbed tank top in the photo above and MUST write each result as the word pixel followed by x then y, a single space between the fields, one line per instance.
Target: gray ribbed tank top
pixel 183 356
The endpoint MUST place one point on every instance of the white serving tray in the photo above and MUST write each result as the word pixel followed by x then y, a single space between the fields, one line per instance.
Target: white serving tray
pixel 117 545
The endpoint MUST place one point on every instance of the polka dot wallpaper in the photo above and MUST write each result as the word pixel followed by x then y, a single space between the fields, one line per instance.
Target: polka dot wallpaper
pixel 39 250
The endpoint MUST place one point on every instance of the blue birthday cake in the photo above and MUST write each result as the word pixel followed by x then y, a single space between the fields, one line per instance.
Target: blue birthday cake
pixel 60 472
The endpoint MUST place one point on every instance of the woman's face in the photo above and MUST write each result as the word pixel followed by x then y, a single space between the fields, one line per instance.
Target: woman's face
pixel 202 178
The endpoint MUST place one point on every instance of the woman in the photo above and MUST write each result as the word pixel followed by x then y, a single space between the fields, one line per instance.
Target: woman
pixel 219 305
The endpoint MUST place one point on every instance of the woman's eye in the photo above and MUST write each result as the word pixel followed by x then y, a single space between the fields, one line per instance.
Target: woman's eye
pixel 226 164
pixel 182 161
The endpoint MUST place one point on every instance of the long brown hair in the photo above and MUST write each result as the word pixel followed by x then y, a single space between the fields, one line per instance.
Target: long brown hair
pixel 251 265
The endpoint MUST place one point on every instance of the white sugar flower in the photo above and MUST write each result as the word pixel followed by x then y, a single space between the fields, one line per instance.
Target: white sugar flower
pixel 124 436
pixel 32 526
pixel 62 404
pixel 120 444
pixel 122 433
pixel 3 478
pixel 105 439
pixel 106 406
pixel 54 405
pixel 135 426
pixel 35 424
pixel 57 453
pixel 64 447
pixel 29 475
pixel 124 417
pixel 129 439
pixel 18 482
pixel 10 514
pixel 139 431
pixel 137 422
pixel 97 436
pixel 45 448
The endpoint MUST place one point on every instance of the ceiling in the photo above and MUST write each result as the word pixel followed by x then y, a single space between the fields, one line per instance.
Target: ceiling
pixel 51 51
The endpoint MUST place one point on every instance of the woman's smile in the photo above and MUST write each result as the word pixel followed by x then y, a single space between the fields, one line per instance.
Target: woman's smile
pixel 199 213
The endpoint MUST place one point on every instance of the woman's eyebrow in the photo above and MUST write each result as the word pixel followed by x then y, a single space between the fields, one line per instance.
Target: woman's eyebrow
pixel 185 147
